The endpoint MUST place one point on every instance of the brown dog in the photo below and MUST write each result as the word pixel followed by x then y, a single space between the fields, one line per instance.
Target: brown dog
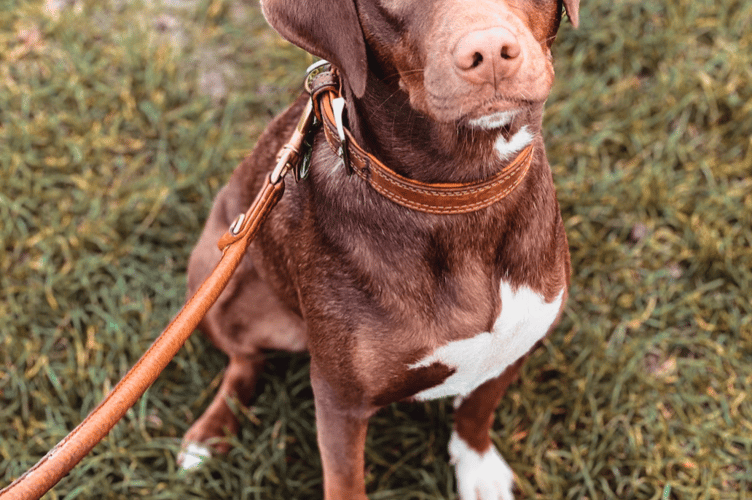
pixel 396 303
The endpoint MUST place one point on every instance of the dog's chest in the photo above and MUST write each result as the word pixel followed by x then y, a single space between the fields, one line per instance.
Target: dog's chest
pixel 525 318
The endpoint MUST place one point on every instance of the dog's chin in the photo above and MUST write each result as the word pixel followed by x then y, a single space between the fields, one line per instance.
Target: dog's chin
pixel 496 121
pixel 504 123
pixel 508 129
pixel 495 114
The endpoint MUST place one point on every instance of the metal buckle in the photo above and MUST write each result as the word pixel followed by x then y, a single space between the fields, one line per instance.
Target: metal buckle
pixel 338 106
pixel 314 70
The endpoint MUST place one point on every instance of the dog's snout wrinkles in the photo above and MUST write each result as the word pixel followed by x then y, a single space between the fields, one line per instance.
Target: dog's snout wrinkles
pixel 488 56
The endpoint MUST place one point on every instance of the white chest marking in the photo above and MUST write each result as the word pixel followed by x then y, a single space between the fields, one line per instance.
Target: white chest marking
pixel 525 318
pixel 506 149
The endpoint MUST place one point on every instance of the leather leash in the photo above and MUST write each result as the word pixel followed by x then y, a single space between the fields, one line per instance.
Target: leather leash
pixel 76 445
pixel 327 105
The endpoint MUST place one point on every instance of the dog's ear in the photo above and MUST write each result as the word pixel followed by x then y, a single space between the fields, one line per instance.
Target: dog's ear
pixel 573 11
pixel 326 28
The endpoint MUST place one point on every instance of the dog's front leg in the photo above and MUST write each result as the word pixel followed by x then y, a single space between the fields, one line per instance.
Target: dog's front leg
pixel 481 472
pixel 341 430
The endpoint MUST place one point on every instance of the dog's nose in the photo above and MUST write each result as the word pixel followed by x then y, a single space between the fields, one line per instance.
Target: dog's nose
pixel 488 56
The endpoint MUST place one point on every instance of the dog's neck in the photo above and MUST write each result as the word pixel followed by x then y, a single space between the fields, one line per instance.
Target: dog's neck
pixel 413 145
pixel 384 124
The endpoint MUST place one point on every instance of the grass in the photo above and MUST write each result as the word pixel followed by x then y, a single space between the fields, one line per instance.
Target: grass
pixel 118 123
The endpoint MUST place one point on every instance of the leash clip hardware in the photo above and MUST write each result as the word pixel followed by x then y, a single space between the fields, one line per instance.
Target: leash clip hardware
pixel 338 106
pixel 289 157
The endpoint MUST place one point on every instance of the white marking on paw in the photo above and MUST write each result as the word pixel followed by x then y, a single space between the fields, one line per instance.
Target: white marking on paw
pixel 480 477
pixel 193 455
pixel 494 121
pixel 525 319
pixel 506 149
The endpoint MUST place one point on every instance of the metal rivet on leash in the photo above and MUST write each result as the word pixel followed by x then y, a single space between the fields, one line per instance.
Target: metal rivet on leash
pixel 237 224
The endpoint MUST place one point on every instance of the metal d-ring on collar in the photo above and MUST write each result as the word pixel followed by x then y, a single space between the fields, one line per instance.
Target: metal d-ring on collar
pixel 313 70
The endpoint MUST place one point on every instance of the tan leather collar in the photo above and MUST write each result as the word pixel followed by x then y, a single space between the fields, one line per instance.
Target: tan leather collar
pixel 434 198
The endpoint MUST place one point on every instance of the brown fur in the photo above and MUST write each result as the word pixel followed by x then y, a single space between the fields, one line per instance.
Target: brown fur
pixel 367 286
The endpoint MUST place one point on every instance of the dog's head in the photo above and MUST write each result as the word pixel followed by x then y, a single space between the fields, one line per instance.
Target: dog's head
pixel 476 62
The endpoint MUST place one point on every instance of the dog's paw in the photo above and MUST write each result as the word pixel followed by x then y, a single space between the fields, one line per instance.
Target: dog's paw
pixel 480 476
pixel 193 455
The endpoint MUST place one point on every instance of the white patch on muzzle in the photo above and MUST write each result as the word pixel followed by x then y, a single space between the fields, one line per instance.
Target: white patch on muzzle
pixel 494 121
